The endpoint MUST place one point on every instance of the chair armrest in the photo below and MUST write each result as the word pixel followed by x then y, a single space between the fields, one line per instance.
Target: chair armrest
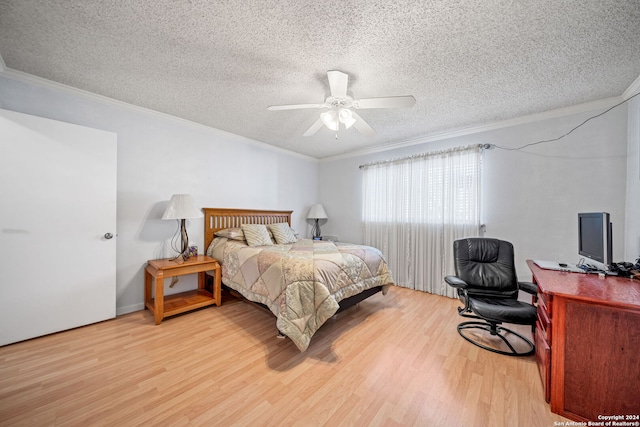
pixel 456 282
pixel 528 287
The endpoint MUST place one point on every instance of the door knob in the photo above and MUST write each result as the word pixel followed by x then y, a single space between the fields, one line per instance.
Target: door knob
pixel 108 236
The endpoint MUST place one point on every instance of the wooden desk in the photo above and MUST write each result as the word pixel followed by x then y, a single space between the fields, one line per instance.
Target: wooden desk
pixel 159 269
pixel 588 343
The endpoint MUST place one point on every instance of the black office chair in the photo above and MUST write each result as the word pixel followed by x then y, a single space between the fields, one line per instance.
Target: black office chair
pixel 488 287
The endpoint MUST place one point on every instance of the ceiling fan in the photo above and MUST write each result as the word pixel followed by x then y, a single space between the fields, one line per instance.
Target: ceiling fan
pixel 340 107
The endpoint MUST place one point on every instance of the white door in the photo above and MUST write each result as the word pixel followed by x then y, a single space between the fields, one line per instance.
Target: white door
pixel 57 203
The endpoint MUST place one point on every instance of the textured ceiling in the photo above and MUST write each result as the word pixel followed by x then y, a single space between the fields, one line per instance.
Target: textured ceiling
pixel 221 63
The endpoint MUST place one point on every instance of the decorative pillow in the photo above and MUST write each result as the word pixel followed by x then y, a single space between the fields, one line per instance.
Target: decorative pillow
pixel 256 235
pixel 282 233
pixel 231 233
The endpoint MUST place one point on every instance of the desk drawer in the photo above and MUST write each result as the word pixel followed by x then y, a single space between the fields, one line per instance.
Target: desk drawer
pixel 543 359
pixel 544 324
pixel 544 300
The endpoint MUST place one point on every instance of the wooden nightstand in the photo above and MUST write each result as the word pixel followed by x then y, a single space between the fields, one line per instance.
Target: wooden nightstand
pixel 160 269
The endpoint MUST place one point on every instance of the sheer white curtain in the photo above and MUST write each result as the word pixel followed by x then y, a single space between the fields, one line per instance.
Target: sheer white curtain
pixel 414 208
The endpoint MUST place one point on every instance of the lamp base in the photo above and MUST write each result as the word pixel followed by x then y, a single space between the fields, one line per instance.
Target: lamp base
pixel 184 247
pixel 316 231
pixel 185 237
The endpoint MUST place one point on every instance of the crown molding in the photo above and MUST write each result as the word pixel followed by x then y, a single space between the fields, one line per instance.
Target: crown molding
pixel 39 81
pixel 633 89
pixel 560 112
pixel 531 118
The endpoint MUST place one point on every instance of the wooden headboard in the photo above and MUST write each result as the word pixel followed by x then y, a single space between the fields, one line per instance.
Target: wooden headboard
pixel 219 218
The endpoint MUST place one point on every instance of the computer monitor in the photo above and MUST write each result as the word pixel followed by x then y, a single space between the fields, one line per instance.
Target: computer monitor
pixel 595 239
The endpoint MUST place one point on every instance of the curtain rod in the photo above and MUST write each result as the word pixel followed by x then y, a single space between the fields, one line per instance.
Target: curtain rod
pixel 429 154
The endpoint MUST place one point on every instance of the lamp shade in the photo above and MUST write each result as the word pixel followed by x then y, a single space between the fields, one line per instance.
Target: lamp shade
pixel 317 212
pixel 182 206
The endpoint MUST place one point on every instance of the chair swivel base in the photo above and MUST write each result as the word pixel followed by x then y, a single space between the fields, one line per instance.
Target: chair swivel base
pixel 496 330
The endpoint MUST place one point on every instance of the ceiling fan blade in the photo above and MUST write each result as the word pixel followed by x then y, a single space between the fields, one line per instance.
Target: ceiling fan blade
pixel 388 102
pixel 362 126
pixel 314 128
pixel 293 106
pixel 338 83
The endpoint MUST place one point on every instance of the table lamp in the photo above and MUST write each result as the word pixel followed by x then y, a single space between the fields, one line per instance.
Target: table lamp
pixel 182 207
pixel 317 213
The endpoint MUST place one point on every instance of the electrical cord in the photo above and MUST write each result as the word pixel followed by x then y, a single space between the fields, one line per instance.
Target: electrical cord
pixel 568 133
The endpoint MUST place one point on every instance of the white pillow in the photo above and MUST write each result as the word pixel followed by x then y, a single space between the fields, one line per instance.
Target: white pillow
pixel 256 235
pixel 282 233
pixel 231 233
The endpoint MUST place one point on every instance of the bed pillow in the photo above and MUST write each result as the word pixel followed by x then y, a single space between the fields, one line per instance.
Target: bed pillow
pixel 231 233
pixel 256 235
pixel 282 233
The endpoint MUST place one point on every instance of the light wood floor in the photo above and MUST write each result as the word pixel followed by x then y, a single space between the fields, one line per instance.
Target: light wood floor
pixel 392 360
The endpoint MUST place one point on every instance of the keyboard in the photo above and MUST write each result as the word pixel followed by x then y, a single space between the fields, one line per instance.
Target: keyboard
pixel 554 265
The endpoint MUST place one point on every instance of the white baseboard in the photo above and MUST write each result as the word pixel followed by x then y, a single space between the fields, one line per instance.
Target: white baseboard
pixel 129 309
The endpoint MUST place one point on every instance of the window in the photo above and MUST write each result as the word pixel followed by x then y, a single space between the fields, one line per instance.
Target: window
pixel 414 208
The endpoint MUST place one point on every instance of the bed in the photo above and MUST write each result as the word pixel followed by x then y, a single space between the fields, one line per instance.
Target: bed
pixel 303 283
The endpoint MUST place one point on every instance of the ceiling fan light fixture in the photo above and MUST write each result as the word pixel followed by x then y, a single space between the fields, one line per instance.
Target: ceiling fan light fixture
pixel 339 106
pixel 344 114
pixel 330 119
pixel 349 123
pixel 346 117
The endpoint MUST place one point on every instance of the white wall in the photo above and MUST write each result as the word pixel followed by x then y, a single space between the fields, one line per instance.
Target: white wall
pixel 632 247
pixel 159 156
pixel 530 197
